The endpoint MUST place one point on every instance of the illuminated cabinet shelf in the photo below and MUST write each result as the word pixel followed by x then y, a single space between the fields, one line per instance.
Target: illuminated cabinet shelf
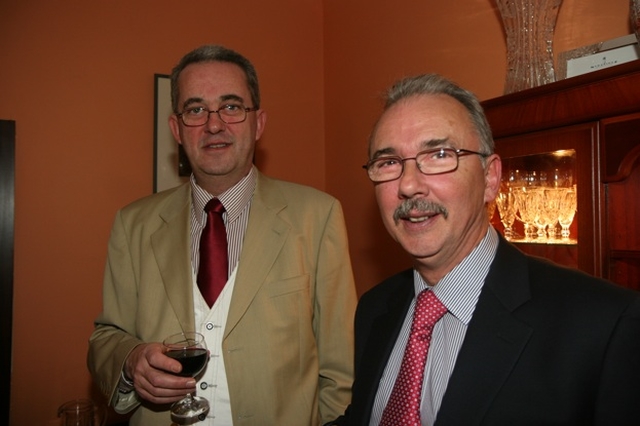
pixel 596 118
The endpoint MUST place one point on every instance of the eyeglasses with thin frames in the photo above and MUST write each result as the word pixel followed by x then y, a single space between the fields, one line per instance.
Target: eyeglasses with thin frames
pixel 429 162
pixel 228 113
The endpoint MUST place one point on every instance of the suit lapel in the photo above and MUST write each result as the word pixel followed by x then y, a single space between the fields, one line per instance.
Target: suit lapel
pixel 171 248
pixel 493 344
pixel 265 236
pixel 384 329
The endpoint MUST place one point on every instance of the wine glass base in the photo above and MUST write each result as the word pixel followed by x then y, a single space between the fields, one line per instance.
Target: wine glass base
pixel 188 411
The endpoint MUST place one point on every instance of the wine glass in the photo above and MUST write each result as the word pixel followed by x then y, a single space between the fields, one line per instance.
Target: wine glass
pixel 568 206
pixel 190 349
pixel 526 200
pixel 550 210
pixel 506 202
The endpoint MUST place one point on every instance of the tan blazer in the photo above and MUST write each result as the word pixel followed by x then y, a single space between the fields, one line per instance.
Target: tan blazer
pixel 294 294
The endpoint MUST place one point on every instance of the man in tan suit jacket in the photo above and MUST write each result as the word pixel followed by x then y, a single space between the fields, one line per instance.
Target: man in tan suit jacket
pixel 287 339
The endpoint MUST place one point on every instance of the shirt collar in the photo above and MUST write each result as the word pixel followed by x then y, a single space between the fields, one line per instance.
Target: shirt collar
pixel 233 199
pixel 459 289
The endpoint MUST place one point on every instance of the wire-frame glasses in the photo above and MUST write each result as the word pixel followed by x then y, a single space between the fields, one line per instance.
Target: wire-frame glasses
pixel 429 162
pixel 228 113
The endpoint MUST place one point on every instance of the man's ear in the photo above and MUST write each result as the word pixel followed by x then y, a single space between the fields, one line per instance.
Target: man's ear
pixel 492 177
pixel 261 120
pixel 174 125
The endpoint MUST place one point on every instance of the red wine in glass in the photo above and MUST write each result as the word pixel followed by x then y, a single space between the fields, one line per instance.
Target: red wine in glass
pixel 190 349
pixel 193 360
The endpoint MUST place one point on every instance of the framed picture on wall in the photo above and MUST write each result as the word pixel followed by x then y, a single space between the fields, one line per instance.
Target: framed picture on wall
pixel 170 165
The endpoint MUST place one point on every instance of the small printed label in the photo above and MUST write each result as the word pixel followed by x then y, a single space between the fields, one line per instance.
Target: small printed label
pixel 602 60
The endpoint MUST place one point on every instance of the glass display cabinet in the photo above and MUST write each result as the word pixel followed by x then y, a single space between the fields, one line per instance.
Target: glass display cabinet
pixel 570 187
pixel 547 179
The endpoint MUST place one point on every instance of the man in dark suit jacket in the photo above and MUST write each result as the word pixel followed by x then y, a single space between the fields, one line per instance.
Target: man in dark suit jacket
pixel 524 341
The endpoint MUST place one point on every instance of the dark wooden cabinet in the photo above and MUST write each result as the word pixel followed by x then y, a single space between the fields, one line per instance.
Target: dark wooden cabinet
pixel 597 115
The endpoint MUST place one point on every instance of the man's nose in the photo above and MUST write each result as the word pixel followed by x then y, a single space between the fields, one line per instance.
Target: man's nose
pixel 411 181
pixel 215 123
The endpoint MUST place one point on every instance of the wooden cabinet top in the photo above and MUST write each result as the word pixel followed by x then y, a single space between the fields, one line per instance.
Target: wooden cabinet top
pixel 606 93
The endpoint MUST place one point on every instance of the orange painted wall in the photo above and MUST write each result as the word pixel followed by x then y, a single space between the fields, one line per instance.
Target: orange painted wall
pixel 77 77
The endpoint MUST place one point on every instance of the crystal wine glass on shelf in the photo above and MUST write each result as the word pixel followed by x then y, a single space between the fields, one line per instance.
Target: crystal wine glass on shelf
pixel 568 206
pixel 526 200
pixel 506 203
pixel 548 211
pixel 190 349
pixel 540 219
pixel 553 210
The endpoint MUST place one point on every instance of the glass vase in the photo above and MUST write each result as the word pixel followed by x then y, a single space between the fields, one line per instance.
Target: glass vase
pixel 529 26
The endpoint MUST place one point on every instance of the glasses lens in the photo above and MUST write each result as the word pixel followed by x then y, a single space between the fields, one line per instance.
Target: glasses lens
pixel 232 113
pixel 386 168
pixel 195 116
pixel 437 161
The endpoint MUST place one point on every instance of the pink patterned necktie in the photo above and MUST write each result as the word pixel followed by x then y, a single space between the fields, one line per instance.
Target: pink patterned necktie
pixel 403 407
pixel 214 265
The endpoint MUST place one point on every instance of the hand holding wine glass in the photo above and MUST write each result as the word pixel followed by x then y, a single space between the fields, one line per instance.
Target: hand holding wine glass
pixel 190 349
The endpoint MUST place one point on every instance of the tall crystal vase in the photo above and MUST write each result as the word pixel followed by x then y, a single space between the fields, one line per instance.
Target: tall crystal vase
pixel 529 26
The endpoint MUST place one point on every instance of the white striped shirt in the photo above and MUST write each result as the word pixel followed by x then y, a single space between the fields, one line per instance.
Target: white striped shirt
pixel 458 291
pixel 237 203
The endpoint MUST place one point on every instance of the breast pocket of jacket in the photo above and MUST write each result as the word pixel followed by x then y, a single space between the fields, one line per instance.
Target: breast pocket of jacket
pixel 290 305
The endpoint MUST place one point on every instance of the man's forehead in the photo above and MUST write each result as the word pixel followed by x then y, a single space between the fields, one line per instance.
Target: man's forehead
pixel 213 82
pixel 422 122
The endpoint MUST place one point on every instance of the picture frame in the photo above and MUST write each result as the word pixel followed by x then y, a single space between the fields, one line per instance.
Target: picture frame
pixel 597 56
pixel 170 166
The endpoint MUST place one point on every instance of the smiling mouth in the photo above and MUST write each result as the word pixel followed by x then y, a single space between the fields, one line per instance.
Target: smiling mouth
pixel 419 219
pixel 216 145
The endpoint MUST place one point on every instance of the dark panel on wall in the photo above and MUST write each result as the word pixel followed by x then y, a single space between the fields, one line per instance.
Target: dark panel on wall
pixel 7 202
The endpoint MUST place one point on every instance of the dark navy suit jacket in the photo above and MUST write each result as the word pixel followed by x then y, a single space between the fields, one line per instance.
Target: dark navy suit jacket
pixel 546 345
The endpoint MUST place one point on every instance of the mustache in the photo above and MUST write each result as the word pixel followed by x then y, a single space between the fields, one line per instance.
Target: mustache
pixel 420 205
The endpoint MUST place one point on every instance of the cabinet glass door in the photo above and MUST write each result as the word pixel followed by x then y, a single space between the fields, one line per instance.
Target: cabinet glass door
pixel 549 195
pixel 538 198
pixel 620 153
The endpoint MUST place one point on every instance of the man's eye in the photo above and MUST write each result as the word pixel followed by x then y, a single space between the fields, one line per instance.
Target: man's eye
pixel 195 111
pixel 441 154
pixel 230 108
pixel 386 162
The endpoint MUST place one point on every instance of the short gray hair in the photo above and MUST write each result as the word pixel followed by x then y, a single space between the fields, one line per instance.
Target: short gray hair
pixel 434 84
pixel 215 53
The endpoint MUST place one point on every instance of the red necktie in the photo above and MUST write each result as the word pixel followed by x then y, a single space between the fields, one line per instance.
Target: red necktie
pixel 403 407
pixel 214 265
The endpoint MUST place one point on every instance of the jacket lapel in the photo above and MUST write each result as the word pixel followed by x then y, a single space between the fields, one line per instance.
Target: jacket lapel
pixel 493 343
pixel 385 326
pixel 264 239
pixel 171 248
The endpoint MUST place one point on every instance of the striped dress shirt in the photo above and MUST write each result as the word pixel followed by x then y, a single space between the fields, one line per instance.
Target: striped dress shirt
pixel 458 291
pixel 237 203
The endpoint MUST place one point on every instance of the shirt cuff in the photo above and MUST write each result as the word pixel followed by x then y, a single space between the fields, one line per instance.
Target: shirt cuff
pixel 125 385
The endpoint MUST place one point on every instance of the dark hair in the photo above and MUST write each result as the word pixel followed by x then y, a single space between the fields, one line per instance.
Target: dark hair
pixel 434 84
pixel 215 53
